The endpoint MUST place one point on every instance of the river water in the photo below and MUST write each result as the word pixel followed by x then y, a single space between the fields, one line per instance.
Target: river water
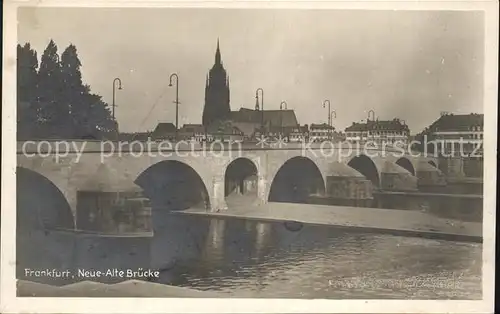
pixel 243 258
pixel 248 258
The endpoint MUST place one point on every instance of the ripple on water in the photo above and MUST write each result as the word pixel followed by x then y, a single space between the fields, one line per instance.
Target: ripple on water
pixel 324 262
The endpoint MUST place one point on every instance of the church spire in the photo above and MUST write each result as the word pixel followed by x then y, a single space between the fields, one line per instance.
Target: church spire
pixel 217 53
pixel 217 96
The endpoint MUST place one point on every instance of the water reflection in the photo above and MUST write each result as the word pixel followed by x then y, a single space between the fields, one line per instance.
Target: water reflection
pixel 263 233
pixel 214 243
pixel 269 260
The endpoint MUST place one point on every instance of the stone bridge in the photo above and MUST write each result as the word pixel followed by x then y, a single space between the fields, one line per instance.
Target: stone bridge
pixel 183 176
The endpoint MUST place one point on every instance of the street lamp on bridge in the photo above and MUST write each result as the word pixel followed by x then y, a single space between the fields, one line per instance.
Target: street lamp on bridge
pixel 176 101
pixel 282 105
pixel 333 115
pixel 262 107
pixel 372 112
pixel 117 79
pixel 372 115
pixel 329 115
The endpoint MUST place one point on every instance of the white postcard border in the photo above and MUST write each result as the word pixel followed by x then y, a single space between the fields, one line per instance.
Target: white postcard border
pixel 9 301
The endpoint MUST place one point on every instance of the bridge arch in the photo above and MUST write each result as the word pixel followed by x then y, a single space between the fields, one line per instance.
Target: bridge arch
pixel 406 164
pixel 365 165
pixel 432 163
pixel 40 203
pixel 296 180
pixel 173 185
pixel 240 178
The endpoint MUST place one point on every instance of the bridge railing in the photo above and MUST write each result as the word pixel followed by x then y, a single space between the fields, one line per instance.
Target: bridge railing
pixel 42 147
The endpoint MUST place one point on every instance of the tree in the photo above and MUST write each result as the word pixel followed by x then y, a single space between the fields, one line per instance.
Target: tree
pixel 90 116
pixel 100 120
pixel 54 103
pixel 27 104
pixel 73 96
pixel 54 114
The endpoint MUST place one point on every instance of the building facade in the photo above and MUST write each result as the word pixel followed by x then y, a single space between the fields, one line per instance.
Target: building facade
pixel 321 132
pixel 456 135
pixel 380 132
pixel 225 131
pixel 298 134
pixel 193 132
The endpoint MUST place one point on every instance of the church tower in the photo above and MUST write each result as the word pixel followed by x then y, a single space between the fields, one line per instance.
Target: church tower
pixel 216 93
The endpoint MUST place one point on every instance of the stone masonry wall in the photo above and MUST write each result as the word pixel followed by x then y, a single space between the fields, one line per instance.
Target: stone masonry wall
pixel 113 212
pixel 348 187
pixel 398 182
pixel 431 178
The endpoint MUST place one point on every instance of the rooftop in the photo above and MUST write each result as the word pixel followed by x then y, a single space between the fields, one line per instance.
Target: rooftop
pixel 321 126
pixel 285 118
pixel 382 125
pixel 164 127
pixel 192 128
pixel 459 122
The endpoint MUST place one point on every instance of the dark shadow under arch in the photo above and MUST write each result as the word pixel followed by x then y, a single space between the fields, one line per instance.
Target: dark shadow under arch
pixel 173 185
pixel 240 178
pixel 296 181
pixel 366 167
pixel 406 164
pixel 39 203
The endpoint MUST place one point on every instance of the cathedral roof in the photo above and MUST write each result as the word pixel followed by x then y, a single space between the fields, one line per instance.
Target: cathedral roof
pixel 285 118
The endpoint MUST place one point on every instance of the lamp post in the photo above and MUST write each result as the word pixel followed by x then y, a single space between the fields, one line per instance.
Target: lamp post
pixel 373 114
pixel 262 107
pixel 282 105
pixel 334 114
pixel 176 101
pixel 329 117
pixel 114 92
pixel 367 120
pixel 403 133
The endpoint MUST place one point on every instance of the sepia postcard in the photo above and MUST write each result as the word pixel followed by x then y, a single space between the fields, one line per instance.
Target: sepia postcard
pixel 249 157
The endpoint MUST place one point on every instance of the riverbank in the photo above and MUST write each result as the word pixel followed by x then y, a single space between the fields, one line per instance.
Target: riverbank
pixel 428 194
pixel 388 221
pixel 130 288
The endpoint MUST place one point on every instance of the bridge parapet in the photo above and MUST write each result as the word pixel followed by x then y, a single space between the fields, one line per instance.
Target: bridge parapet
pixel 83 168
pixel 50 147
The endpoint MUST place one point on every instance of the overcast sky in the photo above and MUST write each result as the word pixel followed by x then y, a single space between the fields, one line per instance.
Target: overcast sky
pixel 411 65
